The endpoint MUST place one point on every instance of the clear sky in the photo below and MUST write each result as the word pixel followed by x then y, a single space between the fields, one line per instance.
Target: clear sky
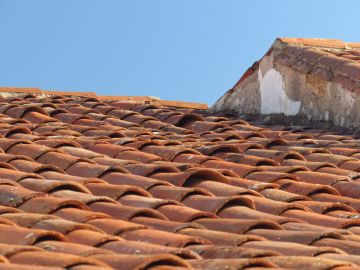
pixel 189 50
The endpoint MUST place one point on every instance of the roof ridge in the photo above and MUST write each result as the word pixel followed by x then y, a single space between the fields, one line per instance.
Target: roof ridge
pixel 140 99
pixel 20 89
pixel 319 42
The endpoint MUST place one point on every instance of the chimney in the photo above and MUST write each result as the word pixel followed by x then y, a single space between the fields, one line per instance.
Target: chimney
pixel 318 79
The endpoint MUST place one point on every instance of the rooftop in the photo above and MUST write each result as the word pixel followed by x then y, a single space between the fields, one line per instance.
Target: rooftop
pixel 314 79
pixel 98 182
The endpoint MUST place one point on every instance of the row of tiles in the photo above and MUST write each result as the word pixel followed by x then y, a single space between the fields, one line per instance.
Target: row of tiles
pixel 161 166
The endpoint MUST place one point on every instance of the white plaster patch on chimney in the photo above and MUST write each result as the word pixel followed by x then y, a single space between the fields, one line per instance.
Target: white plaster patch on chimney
pixel 273 95
pixel 342 120
pixel 326 116
pixel 346 97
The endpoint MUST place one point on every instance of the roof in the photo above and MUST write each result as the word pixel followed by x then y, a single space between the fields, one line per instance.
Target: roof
pixel 330 59
pixel 111 183
pixel 312 79
pixel 138 99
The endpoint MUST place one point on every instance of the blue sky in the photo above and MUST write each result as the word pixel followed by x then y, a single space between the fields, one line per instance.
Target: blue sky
pixel 189 50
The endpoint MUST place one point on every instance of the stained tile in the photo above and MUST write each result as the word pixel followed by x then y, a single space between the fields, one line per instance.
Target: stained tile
pixel 163 238
pixel 128 262
pixel 232 264
pixel 26 236
pixel 60 260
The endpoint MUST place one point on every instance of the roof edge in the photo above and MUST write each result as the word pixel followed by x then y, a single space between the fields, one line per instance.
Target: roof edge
pixel 318 42
pixel 142 99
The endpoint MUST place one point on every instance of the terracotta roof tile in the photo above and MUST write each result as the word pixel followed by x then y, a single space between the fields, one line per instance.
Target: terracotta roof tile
pixel 145 184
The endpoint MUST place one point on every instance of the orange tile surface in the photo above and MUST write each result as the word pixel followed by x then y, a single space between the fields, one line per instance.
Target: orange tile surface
pixel 113 183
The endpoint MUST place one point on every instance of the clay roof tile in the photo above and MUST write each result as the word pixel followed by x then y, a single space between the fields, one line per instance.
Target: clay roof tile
pixel 115 182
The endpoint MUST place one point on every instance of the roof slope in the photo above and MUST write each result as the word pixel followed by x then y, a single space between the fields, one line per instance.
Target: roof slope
pixel 100 184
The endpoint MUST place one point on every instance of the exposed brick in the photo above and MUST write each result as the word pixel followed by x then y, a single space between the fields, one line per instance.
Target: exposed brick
pixel 247 73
